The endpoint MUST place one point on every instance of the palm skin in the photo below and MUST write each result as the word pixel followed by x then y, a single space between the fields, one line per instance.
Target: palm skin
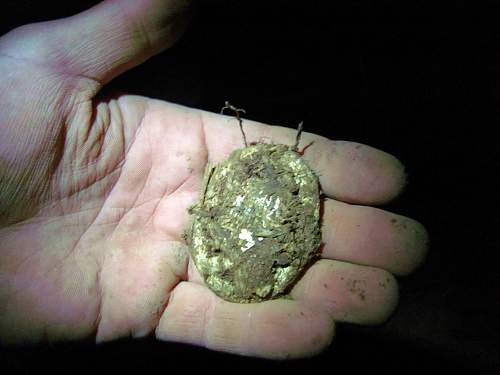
pixel 94 196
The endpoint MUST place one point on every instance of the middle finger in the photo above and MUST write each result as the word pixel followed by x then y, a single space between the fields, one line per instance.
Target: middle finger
pixel 373 237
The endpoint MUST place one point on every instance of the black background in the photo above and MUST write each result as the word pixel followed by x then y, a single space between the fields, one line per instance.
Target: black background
pixel 416 79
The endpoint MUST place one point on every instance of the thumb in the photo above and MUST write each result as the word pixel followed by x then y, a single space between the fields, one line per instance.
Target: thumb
pixel 103 41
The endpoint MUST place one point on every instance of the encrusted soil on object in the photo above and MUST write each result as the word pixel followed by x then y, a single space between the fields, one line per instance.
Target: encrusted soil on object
pixel 256 225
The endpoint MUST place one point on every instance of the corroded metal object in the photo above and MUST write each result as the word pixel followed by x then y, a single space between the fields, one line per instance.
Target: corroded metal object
pixel 256 225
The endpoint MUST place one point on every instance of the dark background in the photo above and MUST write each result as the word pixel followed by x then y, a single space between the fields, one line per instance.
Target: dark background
pixel 416 79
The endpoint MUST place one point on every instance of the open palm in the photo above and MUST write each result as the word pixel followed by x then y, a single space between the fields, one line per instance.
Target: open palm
pixel 94 196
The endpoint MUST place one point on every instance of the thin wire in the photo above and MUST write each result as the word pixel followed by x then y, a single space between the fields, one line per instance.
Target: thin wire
pixel 237 112
pixel 297 138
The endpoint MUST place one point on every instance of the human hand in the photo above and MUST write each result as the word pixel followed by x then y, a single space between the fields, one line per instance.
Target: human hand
pixel 94 196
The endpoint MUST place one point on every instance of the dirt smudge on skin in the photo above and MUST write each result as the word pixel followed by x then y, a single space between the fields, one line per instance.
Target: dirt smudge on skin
pixel 357 287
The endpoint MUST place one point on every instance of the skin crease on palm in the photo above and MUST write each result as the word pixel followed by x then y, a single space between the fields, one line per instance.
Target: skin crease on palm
pixel 94 195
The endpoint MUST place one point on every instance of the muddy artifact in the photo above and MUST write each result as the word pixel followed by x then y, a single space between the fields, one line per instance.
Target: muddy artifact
pixel 256 225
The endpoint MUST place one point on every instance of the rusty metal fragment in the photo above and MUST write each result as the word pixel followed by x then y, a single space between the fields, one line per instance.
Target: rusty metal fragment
pixel 256 225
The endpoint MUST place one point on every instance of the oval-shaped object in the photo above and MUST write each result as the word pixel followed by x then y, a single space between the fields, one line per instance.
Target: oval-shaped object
pixel 256 225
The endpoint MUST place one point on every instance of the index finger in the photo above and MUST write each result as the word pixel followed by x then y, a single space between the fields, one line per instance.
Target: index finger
pixel 348 171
